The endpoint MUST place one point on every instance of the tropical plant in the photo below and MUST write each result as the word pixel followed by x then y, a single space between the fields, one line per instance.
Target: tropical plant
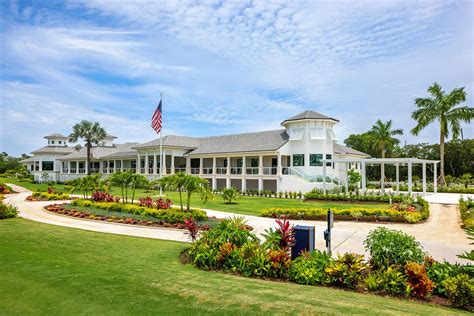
pixel 381 137
pixel 460 290
pixel 230 194
pixel 175 182
pixel 346 270
pixel 7 211
pixel 391 247
pixel 417 277
pixel 443 108
pixel 89 184
pixel 439 272
pixel 390 281
pixel 122 180
pixel 137 181
pixel 192 228
pixel 92 134
pixel 190 184
pixel 309 268
pixel 45 176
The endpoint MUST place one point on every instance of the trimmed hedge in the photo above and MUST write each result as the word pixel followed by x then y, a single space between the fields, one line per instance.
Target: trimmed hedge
pixel 168 215
pixel 313 195
pixel 45 196
pixel 356 213
pixel 466 207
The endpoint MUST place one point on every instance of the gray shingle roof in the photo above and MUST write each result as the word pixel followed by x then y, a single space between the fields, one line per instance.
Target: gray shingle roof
pixel 54 150
pixel 341 149
pixel 30 159
pixel 56 135
pixel 259 141
pixel 308 114
pixel 101 151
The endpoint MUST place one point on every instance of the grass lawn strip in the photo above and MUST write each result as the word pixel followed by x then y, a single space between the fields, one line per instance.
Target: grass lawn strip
pixel 54 270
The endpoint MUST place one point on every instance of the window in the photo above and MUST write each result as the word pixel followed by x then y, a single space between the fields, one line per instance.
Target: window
pixel 298 160
pixel 296 133
pixel 225 163
pixel 59 142
pixel 315 160
pixel 239 163
pixel 316 133
pixel 52 142
pixel 48 165
pixel 329 156
pixel 254 162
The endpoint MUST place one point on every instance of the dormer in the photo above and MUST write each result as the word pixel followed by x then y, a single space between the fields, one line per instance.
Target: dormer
pixel 108 141
pixel 310 125
pixel 57 140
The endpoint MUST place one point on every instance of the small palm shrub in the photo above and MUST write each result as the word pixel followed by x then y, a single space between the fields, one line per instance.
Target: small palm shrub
pixel 230 195
pixel 420 284
pixel 389 281
pixel 390 247
pixel 347 270
pixel 309 268
pixel 460 290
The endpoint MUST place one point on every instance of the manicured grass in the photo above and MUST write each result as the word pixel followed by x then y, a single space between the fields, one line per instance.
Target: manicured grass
pixel 33 186
pixel 249 205
pixel 54 270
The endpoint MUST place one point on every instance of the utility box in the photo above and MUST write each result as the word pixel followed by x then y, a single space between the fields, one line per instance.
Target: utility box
pixel 304 240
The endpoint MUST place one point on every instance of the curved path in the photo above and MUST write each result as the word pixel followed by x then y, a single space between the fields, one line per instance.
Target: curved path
pixel 440 235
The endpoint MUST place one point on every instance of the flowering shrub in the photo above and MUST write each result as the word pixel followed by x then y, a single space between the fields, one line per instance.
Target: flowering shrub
pixel 7 211
pixel 45 196
pixel 101 196
pixel 418 279
pixel 4 189
pixel 159 203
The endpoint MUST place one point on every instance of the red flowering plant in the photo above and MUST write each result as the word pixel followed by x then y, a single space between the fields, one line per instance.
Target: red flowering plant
pixel 50 190
pixel 146 202
pixel 101 196
pixel 163 204
pixel 287 234
pixel 192 227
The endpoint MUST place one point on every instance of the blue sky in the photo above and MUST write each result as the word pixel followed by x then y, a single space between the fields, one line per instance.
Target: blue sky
pixel 225 66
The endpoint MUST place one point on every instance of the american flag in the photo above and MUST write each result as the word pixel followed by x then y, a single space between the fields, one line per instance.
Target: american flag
pixel 156 119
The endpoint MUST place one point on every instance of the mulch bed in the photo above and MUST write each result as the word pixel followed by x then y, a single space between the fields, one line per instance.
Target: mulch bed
pixel 60 209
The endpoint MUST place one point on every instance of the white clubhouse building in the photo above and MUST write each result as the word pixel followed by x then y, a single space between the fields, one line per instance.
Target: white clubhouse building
pixel 299 157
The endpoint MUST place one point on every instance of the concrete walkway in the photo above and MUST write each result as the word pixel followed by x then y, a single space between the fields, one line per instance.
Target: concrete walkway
pixel 440 235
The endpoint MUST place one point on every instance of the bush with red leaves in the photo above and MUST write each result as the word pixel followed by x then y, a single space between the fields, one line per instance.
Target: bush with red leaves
pixel 287 234
pixel 101 196
pixel 192 227
pixel 159 203
pixel 418 279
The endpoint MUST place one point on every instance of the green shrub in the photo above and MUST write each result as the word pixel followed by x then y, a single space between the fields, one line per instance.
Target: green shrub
pixel 390 247
pixel 230 195
pixel 460 290
pixel 7 211
pixel 309 268
pixel 440 272
pixel 347 270
pixel 168 215
pixel 319 195
pixel 45 196
pixel 389 281
pixel 388 214
pixel 466 207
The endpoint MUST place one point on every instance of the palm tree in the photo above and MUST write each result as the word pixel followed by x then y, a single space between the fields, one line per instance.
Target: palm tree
pixel 176 182
pixel 442 107
pixel 381 137
pixel 91 133
pixel 190 184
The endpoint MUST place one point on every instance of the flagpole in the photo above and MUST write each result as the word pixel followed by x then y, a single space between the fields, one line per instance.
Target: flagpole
pixel 161 143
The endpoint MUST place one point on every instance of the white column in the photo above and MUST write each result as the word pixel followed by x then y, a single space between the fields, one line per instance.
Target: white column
pixel 164 163
pixel 69 167
pixel 227 183
pixel 115 166
pixel 409 178
pixel 260 184
pixel 364 177
pixel 244 185
pixel 155 163
pixel 397 175
pixel 77 166
pixel 382 178
pixel 324 175
pixel 346 180
pixel 121 165
pixel 139 163
pixel 214 166
pixel 228 166
pixel 244 171
pixel 40 165
pixel 200 165
pixel 260 165
pixel 188 165
pixel 214 183
pixel 424 178
pixel 435 177
pixel 172 163
pixel 146 163
pixel 279 167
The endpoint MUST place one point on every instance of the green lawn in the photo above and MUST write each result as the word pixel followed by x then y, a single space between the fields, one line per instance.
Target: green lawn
pixel 249 205
pixel 54 270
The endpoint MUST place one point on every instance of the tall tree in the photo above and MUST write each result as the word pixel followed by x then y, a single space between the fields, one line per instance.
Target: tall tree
pixel 443 108
pixel 92 134
pixel 381 136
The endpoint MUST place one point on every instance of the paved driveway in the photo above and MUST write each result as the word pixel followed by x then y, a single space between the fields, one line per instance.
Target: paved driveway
pixel 440 235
